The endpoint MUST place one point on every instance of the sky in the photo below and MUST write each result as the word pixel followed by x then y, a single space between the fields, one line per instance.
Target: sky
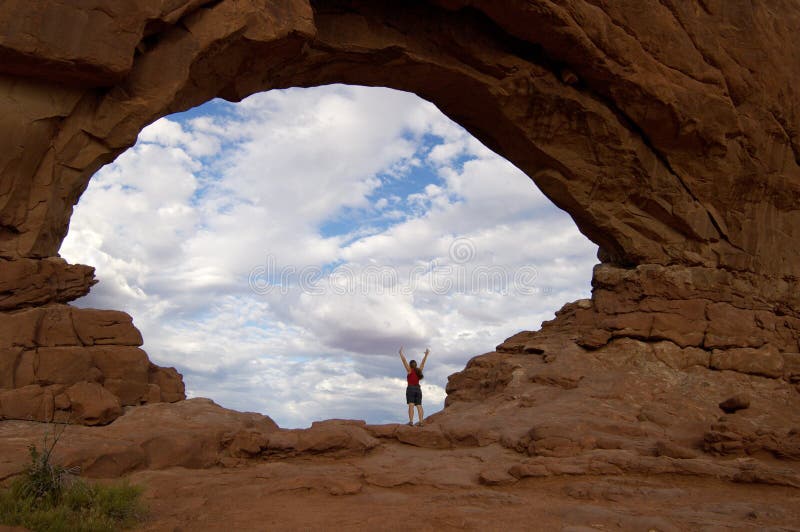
pixel 279 251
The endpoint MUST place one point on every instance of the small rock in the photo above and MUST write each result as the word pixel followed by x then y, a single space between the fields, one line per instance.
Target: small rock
pixel 735 403
pixel 568 77
pixel 520 471
pixel 496 477
pixel 594 339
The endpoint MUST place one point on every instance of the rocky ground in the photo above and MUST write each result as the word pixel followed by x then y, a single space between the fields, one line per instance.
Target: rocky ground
pixel 540 434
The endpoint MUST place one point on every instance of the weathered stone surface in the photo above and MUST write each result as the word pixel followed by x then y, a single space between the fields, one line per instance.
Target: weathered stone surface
pixel 791 367
pixel 8 363
pixel 62 365
pixel 25 371
pixel 55 327
pixel 678 358
pixel 30 402
pixel 731 327
pixel 483 375
pixel 129 392
pixel 496 477
pixel 676 152
pixel 429 437
pixel 667 130
pixel 99 327
pixel 169 382
pixel 735 403
pixel 335 435
pixel 92 404
pixel 122 370
pixel 62 325
pixel 88 43
pixel 681 167
pixel 247 444
pixel 57 343
pixel 632 422
pixel 121 362
pixel 745 437
pixel 766 361
pixel 27 282
pixel 18 329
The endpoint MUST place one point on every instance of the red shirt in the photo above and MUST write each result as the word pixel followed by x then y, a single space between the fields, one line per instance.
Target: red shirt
pixel 413 380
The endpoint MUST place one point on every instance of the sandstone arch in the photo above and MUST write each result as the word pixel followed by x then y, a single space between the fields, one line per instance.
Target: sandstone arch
pixel 669 137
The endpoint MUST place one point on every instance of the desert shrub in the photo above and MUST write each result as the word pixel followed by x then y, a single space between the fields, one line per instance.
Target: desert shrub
pixel 49 497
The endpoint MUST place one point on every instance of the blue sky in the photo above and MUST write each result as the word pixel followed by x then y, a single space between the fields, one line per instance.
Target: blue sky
pixel 391 209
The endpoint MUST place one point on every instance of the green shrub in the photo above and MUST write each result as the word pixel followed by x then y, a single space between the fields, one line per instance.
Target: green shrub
pixel 51 498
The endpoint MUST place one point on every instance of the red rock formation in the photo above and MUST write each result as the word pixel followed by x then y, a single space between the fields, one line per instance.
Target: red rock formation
pixel 667 129
pixel 668 133
pixel 58 361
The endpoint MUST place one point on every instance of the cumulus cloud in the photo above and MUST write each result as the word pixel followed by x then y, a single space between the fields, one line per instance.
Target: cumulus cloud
pixel 279 251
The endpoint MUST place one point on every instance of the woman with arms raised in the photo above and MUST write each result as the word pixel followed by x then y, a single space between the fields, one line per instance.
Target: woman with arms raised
pixel 413 391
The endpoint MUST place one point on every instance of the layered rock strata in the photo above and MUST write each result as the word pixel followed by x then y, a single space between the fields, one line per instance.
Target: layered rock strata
pixel 630 435
pixel 63 363
pixel 668 130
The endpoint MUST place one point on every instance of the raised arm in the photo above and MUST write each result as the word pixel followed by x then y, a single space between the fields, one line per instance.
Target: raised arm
pixel 405 362
pixel 427 352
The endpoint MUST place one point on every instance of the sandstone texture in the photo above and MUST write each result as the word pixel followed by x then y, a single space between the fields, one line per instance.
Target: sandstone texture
pixel 59 362
pixel 669 130
pixel 614 438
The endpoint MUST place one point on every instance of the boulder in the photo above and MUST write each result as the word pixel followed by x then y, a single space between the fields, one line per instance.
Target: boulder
pixel 92 404
pixel 169 382
pixel 26 282
pixel 129 392
pixel 105 327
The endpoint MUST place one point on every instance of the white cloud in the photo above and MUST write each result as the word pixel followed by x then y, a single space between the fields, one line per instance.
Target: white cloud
pixel 177 224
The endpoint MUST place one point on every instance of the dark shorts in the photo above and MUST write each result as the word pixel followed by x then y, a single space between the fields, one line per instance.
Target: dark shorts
pixel 414 395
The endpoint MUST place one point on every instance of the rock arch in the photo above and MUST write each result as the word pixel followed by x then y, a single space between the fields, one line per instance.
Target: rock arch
pixel 668 133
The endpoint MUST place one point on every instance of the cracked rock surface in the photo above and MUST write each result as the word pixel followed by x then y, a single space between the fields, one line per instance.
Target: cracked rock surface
pixel 669 130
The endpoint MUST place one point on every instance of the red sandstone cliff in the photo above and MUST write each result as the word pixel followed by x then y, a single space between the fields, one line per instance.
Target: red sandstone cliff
pixel 667 129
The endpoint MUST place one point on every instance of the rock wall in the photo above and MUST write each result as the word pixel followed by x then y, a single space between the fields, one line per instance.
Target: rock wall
pixel 66 363
pixel 82 365
pixel 667 129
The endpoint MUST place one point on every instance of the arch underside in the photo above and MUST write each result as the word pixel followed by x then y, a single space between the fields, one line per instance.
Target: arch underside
pixel 671 144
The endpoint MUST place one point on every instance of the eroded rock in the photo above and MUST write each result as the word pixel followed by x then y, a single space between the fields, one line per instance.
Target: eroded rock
pixel 91 404
pixel 668 133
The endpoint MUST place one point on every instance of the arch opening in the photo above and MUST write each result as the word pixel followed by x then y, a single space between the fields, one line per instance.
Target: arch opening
pixel 648 162
pixel 278 251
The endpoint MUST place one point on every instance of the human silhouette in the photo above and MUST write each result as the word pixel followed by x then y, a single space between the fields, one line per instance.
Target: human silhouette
pixel 413 391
